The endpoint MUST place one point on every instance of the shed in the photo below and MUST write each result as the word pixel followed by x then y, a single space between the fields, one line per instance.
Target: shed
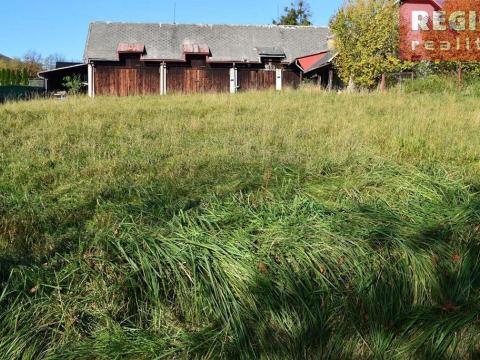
pixel 143 59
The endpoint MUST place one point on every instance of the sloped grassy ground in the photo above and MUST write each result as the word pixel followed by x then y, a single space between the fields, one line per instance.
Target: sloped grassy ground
pixel 296 226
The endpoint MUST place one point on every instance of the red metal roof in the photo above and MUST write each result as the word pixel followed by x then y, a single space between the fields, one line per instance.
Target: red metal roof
pixel 307 62
pixel 201 49
pixel 130 48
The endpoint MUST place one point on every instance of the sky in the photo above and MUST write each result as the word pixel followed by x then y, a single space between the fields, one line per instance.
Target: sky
pixel 60 27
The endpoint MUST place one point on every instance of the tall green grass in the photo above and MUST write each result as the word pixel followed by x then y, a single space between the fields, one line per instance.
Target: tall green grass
pixel 298 225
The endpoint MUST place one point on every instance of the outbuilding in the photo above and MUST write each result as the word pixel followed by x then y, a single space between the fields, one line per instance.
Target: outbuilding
pixel 124 59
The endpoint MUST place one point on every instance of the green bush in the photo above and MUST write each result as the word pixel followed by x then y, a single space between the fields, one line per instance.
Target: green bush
pixel 432 84
pixel 443 83
pixel 73 84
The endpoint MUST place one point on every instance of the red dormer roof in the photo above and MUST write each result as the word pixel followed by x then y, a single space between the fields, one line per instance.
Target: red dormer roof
pixel 199 49
pixel 130 48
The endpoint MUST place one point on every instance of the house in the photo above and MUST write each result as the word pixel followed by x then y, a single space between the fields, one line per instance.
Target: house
pixel 143 59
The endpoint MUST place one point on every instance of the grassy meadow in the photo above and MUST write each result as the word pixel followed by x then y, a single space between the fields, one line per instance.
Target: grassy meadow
pixel 300 225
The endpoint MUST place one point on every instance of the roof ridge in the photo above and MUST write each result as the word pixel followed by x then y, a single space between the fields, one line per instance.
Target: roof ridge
pixel 211 25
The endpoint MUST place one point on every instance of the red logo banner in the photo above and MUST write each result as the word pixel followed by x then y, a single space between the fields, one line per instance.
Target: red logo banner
pixel 440 30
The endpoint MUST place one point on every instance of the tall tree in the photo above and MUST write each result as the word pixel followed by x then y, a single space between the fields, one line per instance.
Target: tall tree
pixel 32 61
pixel 298 13
pixel 367 40
pixel 50 61
pixel 18 77
pixel 8 77
pixel 14 77
pixel 25 77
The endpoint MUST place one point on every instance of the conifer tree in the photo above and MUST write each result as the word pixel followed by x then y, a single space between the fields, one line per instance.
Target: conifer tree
pixel 16 77
pixel 2 77
pixel 8 77
pixel 25 77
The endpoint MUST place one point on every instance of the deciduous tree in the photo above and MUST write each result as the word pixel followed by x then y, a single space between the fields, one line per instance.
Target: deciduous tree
pixel 51 61
pixel 32 61
pixel 367 40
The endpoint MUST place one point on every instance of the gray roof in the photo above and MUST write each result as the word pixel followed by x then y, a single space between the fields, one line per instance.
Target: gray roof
pixel 227 43
pixel 323 61
pixel 3 57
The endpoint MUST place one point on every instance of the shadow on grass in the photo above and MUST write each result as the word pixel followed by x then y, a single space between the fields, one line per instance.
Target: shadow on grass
pixel 405 288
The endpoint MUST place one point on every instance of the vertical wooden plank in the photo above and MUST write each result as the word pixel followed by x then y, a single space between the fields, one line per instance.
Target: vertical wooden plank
pixel 115 83
pixel 124 73
pixel 139 82
pixel 198 80
pixel 132 85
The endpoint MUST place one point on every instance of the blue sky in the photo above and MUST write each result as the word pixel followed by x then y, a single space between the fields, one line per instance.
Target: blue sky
pixel 54 26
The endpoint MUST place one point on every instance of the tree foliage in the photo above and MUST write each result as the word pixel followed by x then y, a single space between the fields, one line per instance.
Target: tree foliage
pixel 73 84
pixel 51 61
pixel 33 62
pixel 13 77
pixel 297 14
pixel 367 40
pixel 18 71
pixel 25 77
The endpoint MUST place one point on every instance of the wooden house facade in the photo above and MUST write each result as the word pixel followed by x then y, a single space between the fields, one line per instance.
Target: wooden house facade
pixel 123 59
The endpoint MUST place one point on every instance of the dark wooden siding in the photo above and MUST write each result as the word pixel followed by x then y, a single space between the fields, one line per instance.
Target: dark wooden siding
pixel 55 79
pixel 127 81
pixel 188 80
pixel 144 78
pixel 256 79
pixel 290 79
